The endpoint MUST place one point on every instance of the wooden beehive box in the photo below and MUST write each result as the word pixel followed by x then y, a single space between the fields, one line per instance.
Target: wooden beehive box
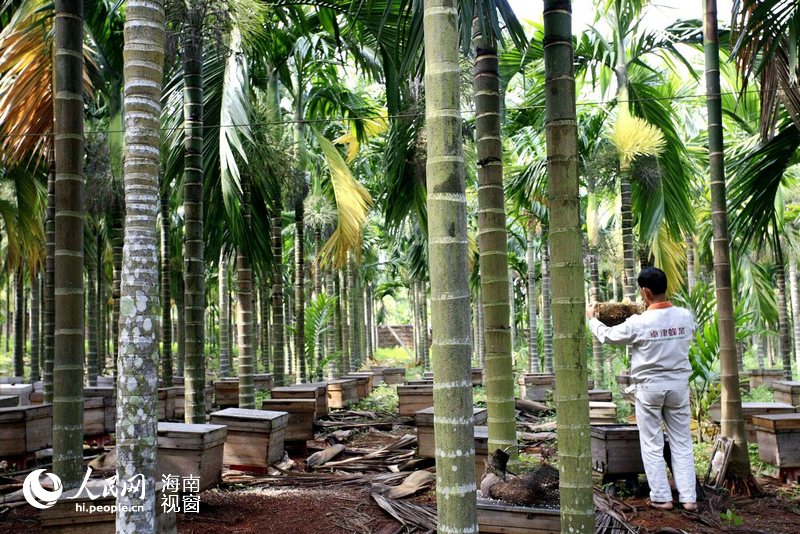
pixel 377 376
pixel 602 413
pixel 536 386
pixel 600 395
pixel 318 392
pixel 107 392
pixel 226 392
pixel 787 392
pixel 37 397
pixel 363 384
pixel 23 391
pixel 255 437
pixel 477 376
pixel 616 450
pixel 411 399
pixel 263 382
pixel 94 416
pixel 302 414
pixel 166 403
pixel 765 376
pixel 190 449
pixel 8 401
pixel 424 421
pixel 499 517
pixel 105 381
pixel 25 429
pixel 180 400
pixel 423 382
pixel 427 375
pixel 779 439
pixel 342 392
pixel 73 512
pixel 394 375
pixel 750 409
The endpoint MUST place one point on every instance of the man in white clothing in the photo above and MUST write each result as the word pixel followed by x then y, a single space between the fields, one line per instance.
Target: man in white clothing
pixel 660 371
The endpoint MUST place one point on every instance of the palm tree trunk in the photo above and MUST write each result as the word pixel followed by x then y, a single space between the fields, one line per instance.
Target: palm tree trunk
pixel 91 326
pixel 101 307
pixel 794 291
pixel 416 308
pixel 480 330
pixel 533 334
pixel 265 338
pixel 332 346
pixel 36 303
pixel 547 314
pixel 317 290
pixel 19 334
pixel 194 265
pixel 287 342
pixel 224 317
pixel 761 349
pixel 116 258
pixel 277 298
pixel 299 291
pixel 180 293
pixel 167 371
pixel 732 421
pixel 9 319
pixel 572 402
pixel 594 297
pixel 340 318
pixel 137 394
pixel 368 321
pixel 447 258
pixel 244 280
pixel 512 311
pixel 496 283
pixel 784 339
pixel 353 338
pixel 69 305
pixel 362 321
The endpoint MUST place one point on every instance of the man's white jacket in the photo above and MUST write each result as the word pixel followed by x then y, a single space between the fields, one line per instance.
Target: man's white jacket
pixel 659 339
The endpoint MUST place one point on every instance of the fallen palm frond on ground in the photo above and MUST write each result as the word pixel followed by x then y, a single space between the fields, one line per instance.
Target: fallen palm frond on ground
pixel 414 517
pixel 394 453
pixel 608 520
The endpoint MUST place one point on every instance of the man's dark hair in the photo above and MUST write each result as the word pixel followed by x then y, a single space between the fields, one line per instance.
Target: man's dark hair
pixel 653 279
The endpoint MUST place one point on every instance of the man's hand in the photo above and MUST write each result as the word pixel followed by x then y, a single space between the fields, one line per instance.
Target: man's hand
pixel 590 311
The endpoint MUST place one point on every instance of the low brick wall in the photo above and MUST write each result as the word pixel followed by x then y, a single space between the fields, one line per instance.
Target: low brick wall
pixel 387 339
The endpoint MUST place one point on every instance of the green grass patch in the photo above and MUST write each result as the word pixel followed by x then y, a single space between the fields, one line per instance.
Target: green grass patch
pixel 394 357
pixel 762 393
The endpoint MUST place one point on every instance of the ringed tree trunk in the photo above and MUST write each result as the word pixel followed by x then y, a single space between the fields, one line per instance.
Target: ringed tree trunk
pixel 339 319
pixel 571 398
pixel 691 277
pixel 426 357
pixel 264 339
pixel 116 258
pixel 496 282
pixel 91 327
pixel 137 440
pixel 224 317
pixel 299 292
pixel 36 302
pixel 101 307
pixel 331 342
pixel 166 291
pixel 594 297
pixel 345 328
pixel 194 266
pixel 180 291
pixel 533 327
pixel 244 280
pixel 739 476
pixel 277 298
pixel 784 339
pixel 547 314
pixel 479 330
pixel 415 306
pixel 352 288
pixel 368 321
pixel 317 290
pixel 447 252
pixel 795 296
pixel 69 305
pixel 19 320
pixel 49 280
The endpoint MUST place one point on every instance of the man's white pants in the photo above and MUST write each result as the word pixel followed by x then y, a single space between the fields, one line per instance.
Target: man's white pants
pixel 672 407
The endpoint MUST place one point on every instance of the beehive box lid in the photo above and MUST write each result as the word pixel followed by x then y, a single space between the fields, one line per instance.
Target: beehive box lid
pixel 322 387
pixel 753 408
pixel 424 417
pixel 394 370
pixel 165 393
pixel 778 421
pixel 423 382
pixel 190 436
pixel 25 413
pixel 342 383
pixel 290 405
pixel 244 420
pixel 615 432
pixel 15 389
pixel 766 372
pixel 786 385
pixel 415 389
pixel 99 391
pixel 308 391
pixel 358 377
pixel 93 402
